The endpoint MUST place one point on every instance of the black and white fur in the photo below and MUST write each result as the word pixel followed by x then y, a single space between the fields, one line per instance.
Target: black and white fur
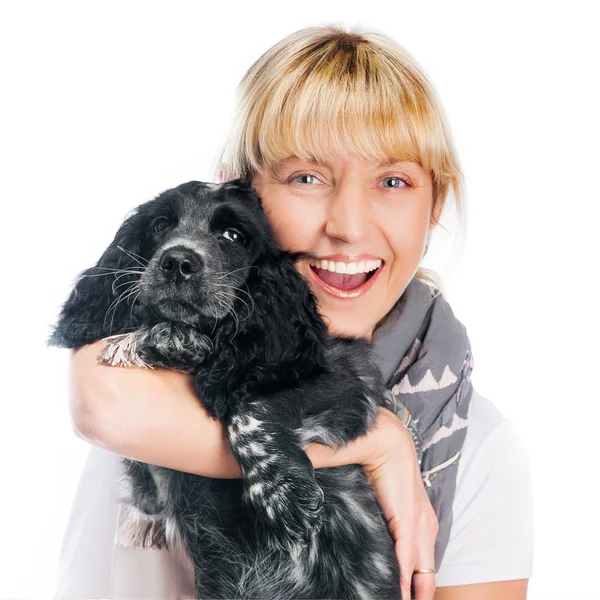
pixel 196 281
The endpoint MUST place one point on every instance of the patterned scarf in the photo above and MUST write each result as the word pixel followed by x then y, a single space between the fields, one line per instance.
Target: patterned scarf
pixel 429 389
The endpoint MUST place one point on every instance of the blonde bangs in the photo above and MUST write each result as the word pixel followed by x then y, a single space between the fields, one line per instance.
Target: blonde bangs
pixel 332 115
pixel 323 93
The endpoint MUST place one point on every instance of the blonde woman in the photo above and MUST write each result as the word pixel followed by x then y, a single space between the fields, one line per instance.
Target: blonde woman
pixel 345 142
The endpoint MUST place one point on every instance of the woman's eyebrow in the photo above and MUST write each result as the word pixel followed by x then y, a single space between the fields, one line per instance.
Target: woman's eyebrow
pixel 413 169
pixel 278 167
pixel 393 161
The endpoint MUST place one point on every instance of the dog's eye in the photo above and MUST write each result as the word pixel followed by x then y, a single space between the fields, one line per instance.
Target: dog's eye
pixel 160 224
pixel 234 235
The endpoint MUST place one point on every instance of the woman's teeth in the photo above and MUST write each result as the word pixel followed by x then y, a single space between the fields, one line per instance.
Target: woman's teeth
pixel 364 266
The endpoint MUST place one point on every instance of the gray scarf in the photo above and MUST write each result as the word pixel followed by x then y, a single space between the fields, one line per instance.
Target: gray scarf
pixel 424 355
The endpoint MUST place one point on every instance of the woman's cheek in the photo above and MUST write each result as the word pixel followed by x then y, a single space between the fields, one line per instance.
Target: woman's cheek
pixel 295 228
pixel 408 240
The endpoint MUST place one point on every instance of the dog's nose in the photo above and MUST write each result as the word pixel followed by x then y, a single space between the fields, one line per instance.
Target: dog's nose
pixel 180 264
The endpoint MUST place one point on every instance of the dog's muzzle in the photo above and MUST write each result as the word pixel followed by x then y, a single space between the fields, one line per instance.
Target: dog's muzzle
pixel 180 264
pixel 176 286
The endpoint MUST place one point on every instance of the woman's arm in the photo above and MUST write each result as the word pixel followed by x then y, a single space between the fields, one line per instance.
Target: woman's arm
pixel 499 590
pixel 154 416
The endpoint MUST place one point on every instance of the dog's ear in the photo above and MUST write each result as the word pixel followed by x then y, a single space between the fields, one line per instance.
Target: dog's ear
pixel 285 309
pixel 99 305
pixel 281 326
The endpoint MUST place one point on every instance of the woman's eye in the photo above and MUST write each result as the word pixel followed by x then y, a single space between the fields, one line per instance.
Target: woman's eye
pixel 234 235
pixel 305 175
pixel 160 224
pixel 399 182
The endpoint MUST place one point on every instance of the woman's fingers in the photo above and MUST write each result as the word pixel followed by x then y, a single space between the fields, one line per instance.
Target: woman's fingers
pixel 405 553
pixel 423 584
pixel 403 532
pixel 415 544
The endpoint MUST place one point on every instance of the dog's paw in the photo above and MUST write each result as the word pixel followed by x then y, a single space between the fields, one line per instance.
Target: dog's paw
pixel 175 346
pixel 291 513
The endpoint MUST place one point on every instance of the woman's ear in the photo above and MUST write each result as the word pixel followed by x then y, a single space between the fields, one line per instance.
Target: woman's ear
pixel 99 304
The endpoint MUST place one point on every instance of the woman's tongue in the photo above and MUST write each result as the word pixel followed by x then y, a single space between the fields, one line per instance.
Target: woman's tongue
pixel 341 280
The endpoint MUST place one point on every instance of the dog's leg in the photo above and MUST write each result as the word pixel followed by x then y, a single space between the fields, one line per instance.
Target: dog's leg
pixel 341 408
pixel 144 504
pixel 175 346
pixel 168 345
pixel 142 490
pixel 279 483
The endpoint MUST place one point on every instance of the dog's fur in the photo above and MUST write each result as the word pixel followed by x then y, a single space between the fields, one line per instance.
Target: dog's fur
pixel 214 296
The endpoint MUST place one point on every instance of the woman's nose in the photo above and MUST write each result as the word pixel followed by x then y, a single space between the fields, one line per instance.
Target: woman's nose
pixel 348 214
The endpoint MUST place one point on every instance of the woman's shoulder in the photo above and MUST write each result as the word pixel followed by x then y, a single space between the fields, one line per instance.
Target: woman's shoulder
pixel 492 530
pixel 486 423
pixel 492 443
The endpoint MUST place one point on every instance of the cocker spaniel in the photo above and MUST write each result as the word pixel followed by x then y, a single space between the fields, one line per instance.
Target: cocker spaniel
pixel 194 281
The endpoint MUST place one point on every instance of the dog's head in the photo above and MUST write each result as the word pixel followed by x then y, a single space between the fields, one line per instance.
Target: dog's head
pixel 200 254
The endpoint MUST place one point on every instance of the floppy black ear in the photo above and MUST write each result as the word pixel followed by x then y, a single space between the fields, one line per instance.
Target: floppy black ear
pixel 281 327
pixel 285 309
pixel 98 305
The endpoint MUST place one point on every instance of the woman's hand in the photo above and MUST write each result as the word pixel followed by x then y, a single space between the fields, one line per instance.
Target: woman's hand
pixel 394 473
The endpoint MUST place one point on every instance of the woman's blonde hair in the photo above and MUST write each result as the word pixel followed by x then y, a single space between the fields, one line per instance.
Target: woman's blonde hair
pixel 324 92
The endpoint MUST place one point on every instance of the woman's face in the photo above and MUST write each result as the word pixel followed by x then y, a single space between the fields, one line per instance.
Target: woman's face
pixel 357 216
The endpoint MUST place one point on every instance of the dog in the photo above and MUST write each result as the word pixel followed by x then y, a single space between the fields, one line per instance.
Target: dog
pixel 194 281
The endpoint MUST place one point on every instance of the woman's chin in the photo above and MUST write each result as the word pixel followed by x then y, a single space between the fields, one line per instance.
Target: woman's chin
pixel 344 326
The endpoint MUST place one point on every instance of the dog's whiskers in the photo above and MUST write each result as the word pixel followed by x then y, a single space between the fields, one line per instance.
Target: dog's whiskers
pixel 130 271
pixel 216 317
pixel 121 298
pixel 225 273
pixel 231 287
pixel 114 287
pixel 123 273
pixel 112 270
pixel 135 256
pixel 228 305
pixel 134 281
pixel 241 300
pixel 134 272
pixel 126 295
pixel 131 309
pixel 235 318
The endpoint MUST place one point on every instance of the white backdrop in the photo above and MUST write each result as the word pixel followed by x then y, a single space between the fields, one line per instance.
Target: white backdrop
pixel 105 104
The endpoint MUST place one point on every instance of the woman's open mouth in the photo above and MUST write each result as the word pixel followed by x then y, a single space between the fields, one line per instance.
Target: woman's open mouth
pixel 358 278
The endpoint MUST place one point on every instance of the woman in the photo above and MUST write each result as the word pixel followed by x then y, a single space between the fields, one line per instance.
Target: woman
pixel 326 119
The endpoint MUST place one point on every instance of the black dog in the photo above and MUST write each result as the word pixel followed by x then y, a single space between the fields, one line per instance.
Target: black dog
pixel 214 296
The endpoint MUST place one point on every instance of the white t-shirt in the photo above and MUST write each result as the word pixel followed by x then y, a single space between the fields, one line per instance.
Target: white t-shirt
pixel 491 537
